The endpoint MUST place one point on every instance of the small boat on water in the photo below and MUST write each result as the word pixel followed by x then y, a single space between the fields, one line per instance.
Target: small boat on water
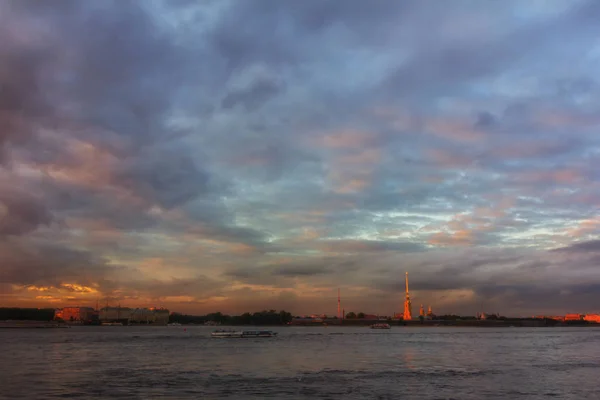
pixel 226 333
pixel 380 326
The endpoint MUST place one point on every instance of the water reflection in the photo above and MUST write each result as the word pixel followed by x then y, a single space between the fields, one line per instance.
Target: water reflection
pixel 149 362
pixel 409 356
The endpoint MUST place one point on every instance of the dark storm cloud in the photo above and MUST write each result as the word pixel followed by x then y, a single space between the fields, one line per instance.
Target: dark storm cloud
pixel 266 157
pixel 23 98
pixel 360 246
pixel 120 74
pixel 109 68
pixel 590 246
pixel 253 96
pixel 279 274
pixel 265 31
pixel 447 271
pixel 49 265
pixel 168 178
pixel 109 77
pixel 301 270
pixel 442 65
pixel 535 299
pixel 159 289
pixel 22 213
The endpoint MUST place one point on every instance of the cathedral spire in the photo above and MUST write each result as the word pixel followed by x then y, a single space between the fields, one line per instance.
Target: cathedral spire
pixel 407 305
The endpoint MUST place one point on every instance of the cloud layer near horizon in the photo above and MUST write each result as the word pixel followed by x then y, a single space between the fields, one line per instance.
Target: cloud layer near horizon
pixel 239 155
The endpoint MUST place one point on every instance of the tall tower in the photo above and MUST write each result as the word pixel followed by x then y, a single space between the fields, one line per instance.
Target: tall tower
pixel 339 305
pixel 421 311
pixel 407 307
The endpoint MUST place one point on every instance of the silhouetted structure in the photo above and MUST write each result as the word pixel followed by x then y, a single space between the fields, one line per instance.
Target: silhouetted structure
pixel 339 311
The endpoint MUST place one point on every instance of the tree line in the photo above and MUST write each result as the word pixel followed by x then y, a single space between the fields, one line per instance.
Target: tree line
pixel 26 314
pixel 353 315
pixel 265 317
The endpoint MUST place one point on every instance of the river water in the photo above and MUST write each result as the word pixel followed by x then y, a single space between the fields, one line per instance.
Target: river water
pixel 301 363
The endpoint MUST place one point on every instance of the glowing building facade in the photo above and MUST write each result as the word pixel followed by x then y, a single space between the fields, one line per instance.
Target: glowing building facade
pixel 76 314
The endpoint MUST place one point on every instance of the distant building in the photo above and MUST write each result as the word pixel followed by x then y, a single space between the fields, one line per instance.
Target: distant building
pixel 573 317
pixel 142 316
pixel 76 314
pixel 161 316
pixel 592 318
pixel 157 316
pixel 113 314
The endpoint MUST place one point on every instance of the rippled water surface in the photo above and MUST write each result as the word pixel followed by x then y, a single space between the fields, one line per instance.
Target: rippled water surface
pixel 318 363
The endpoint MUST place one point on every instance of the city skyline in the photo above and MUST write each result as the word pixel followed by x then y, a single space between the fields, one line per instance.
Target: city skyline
pixel 244 155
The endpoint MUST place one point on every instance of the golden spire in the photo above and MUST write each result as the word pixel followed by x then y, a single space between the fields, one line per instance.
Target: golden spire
pixel 407 305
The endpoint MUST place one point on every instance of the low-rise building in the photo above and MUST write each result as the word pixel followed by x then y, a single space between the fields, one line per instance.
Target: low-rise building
pixel 161 316
pixel 76 314
pixel 592 318
pixel 573 317
pixel 157 316
pixel 142 316
pixel 113 314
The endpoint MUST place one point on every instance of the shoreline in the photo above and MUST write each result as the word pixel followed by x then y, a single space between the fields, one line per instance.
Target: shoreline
pixel 32 324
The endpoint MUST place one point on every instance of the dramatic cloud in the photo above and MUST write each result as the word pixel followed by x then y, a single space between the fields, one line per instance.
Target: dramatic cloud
pixel 225 155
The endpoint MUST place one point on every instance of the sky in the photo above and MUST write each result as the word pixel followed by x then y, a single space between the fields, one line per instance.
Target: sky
pixel 243 155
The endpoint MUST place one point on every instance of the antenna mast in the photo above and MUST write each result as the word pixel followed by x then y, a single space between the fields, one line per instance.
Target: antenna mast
pixel 339 305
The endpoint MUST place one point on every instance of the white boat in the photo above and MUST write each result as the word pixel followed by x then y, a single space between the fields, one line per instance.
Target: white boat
pixel 380 326
pixel 224 333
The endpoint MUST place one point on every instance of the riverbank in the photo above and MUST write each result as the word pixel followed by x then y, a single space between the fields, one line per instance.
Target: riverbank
pixel 25 324
pixel 531 323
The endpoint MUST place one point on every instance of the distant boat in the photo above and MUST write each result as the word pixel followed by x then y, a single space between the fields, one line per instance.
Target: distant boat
pixel 380 326
pixel 174 324
pixel 112 324
pixel 223 333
